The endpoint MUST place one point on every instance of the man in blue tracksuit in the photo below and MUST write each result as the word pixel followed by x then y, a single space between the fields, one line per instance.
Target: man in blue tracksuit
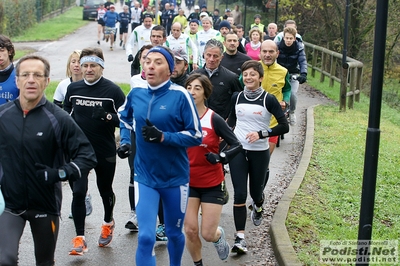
pixel 110 19
pixel 166 123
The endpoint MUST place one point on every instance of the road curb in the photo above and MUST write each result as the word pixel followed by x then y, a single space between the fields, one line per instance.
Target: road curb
pixel 281 244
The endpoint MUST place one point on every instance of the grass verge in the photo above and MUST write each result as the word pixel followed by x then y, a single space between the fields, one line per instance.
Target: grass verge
pixel 327 205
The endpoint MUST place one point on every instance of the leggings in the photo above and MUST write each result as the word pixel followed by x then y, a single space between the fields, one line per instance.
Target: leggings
pixel 174 201
pixel 293 97
pixel 44 229
pixel 252 165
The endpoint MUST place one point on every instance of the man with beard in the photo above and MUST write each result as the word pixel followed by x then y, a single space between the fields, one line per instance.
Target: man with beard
pixel 233 59
pixel 179 75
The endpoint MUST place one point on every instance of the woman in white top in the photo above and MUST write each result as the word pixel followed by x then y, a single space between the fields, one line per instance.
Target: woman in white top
pixel 73 73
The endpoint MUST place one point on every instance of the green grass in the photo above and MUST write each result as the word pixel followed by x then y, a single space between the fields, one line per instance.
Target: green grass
pixel 54 28
pixel 327 205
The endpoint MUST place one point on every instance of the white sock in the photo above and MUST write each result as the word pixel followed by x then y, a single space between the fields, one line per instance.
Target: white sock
pixel 241 235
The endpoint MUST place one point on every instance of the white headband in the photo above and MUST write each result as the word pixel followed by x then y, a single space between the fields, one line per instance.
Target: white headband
pixel 92 58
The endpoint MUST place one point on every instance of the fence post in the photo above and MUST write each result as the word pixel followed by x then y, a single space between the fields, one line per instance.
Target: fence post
pixel 332 71
pixel 314 61
pixel 323 61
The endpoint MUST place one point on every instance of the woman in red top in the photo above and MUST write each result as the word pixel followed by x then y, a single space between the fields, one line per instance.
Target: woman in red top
pixel 206 174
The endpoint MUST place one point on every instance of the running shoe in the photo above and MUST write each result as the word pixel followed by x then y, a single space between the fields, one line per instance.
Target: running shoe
pixel 222 245
pixel 88 204
pixel 240 246
pixel 123 47
pixel 292 118
pixel 70 216
pixel 98 42
pixel 111 48
pixel 106 235
pixel 120 43
pixel 160 233
pixel 132 223
pixel 256 214
pixel 79 246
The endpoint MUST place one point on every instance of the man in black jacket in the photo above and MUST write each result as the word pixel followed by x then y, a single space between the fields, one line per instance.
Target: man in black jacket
pixel 34 137
pixel 224 81
pixel 233 59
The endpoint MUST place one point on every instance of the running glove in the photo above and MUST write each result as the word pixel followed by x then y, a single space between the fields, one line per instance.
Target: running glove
pixel 124 151
pixel 130 58
pixel 151 133
pixel 47 175
pixel 99 113
pixel 213 158
pixel 302 78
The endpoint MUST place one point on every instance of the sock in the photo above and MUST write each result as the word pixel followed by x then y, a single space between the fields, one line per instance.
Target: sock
pixel 198 263
pixel 241 235
pixel 240 216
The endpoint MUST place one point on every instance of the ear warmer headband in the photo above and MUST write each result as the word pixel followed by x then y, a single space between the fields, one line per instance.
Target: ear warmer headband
pixel 92 59
pixel 166 54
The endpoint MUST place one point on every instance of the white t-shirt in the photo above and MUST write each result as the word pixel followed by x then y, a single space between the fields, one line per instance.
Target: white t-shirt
pixel 61 90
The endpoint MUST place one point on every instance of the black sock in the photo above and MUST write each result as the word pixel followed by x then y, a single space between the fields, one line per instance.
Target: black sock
pixel 198 263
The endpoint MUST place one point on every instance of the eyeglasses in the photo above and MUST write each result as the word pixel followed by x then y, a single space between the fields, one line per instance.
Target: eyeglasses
pixel 36 76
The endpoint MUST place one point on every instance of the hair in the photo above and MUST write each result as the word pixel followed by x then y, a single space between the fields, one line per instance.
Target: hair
pixel 34 57
pixel 76 52
pixel 257 16
pixel 144 47
pixel 216 10
pixel 290 30
pixel 256 29
pixel 231 32
pixel 177 23
pixel 209 19
pixel 92 51
pixel 204 80
pixel 256 65
pixel 239 26
pixel 160 28
pixel 290 21
pixel 213 43
pixel 5 42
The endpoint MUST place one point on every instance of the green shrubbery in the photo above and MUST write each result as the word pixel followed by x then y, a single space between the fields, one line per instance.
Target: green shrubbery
pixel 19 15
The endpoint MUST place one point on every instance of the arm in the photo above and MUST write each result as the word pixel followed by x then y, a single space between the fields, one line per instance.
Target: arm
pixel 232 115
pixel 274 108
pixel 225 132
pixel 195 51
pixel 125 114
pixel 287 88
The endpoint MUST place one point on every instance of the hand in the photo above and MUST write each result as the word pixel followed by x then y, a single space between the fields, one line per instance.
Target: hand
pixel 124 151
pixel 302 78
pixel 47 175
pixel 151 133
pixel 130 58
pixel 213 158
pixel 99 113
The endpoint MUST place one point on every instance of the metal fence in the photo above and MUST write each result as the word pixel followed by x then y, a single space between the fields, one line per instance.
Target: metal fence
pixel 329 64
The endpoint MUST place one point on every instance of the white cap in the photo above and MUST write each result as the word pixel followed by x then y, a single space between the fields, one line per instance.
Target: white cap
pixel 203 14
pixel 196 7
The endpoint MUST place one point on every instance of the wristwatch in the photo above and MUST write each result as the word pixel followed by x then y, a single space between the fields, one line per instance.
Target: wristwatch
pixel 108 116
pixel 262 134
pixel 222 155
pixel 62 174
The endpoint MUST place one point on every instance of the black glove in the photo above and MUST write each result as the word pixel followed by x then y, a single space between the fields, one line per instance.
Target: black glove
pixel 150 133
pixel 99 113
pixel 47 175
pixel 302 78
pixel 124 151
pixel 130 58
pixel 213 158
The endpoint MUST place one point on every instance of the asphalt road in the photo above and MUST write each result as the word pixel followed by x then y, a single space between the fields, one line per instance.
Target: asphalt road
pixel 122 249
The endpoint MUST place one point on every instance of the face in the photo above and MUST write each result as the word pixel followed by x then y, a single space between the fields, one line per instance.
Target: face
pixel 272 30
pixel 224 31
pixel 289 39
pixel 231 43
pixel 126 9
pixel 239 32
pixel 112 9
pixel 156 38
pixel 255 36
pixel 156 69
pixel 91 71
pixel 4 58
pixel 143 57
pixel 147 23
pixel 181 12
pixel 176 30
pixel 251 79
pixel 206 24
pixel 74 65
pixel 230 20
pixel 179 69
pixel 257 20
pixel 197 91
pixel 194 27
pixel 31 81
pixel 268 52
pixel 213 57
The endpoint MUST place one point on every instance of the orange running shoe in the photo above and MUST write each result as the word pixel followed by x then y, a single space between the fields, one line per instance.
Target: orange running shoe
pixel 106 234
pixel 79 247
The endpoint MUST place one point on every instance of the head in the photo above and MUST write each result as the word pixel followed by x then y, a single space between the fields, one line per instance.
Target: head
pixel 176 30
pixel 143 52
pixel 290 23
pixel 181 65
pixel 172 6
pixel 257 19
pixel 32 77
pixel 289 35
pixel 194 26
pixel 240 30
pixel 228 12
pixel 92 64
pixel 181 12
pixel 158 65
pixel 207 23
pixel 199 86
pixel 196 9
pixel 269 52
pixel 101 5
pixel 203 8
pixel 237 7
pixel 216 12
pixel 253 73
pixel 230 20
pixel 73 64
pixel 224 27
pixel 136 4
pixel 7 52
pixel 148 21
pixel 255 35
pixel 231 43
pixel 213 53
pixel 158 35
pixel 166 6
pixel 112 8
pixel 203 14
pixel 125 8
pixel 272 29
